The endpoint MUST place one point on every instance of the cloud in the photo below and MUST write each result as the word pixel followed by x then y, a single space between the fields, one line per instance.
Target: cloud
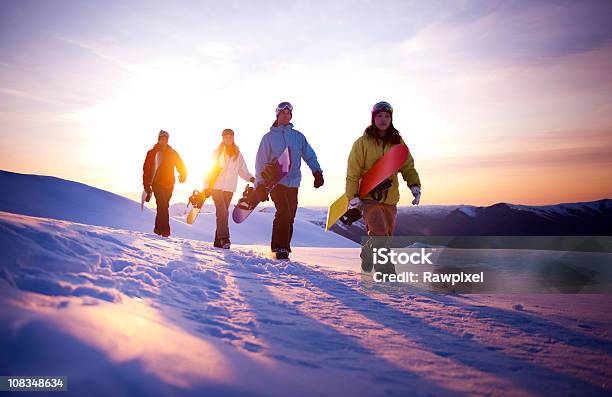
pixel 518 32
pixel 102 51
pixel 535 151
pixel 29 96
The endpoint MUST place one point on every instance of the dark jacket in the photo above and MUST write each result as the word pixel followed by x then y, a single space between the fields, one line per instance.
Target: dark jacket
pixel 164 174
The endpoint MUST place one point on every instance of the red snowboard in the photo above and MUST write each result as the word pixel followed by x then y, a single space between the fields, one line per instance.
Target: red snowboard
pixel 386 166
pixel 383 168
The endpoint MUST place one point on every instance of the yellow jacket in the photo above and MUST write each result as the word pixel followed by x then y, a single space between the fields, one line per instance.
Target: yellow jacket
pixel 364 153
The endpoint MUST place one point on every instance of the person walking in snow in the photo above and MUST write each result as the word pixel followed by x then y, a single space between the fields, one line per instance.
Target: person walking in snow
pixel 158 179
pixel 285 194
pixel 228 159
pixel 379 208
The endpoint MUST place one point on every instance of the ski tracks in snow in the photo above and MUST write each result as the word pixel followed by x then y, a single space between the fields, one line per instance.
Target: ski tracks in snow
pixel 316 319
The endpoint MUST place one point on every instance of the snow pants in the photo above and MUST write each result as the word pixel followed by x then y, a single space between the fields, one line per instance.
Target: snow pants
pixel 379 218
pixel 222 201
pixel 380 221
pixel 286 201
pixel 163 195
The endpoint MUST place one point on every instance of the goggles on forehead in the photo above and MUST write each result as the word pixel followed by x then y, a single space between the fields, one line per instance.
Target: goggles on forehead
pixel 284 105
pixel 383 106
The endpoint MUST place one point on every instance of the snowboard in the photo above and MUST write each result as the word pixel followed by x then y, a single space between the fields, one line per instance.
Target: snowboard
pixel 249 200
pixel 197 199
pixel 143 196
pixel 383 168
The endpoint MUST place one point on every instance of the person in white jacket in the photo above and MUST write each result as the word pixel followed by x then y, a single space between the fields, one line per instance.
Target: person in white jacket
pixel 231 164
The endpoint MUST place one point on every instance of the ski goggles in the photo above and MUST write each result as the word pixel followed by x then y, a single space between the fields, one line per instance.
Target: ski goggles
pixel 282 106
pixel 382 107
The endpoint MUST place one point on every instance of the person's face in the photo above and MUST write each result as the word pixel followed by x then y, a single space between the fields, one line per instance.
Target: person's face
pixel 284 117
pixel 228 139
pixel 382 121
pixel 163 141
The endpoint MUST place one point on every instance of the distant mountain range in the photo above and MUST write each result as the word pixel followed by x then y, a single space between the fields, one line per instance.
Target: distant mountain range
pixel 568 219
pixel 52 197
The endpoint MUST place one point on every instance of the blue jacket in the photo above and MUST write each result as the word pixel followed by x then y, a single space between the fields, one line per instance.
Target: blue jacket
pixel 272 145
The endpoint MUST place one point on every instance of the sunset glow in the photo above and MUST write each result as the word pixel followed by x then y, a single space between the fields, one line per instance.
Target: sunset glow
pixel 497 103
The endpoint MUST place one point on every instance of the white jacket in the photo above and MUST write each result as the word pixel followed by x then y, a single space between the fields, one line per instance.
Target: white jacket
pixel 231 168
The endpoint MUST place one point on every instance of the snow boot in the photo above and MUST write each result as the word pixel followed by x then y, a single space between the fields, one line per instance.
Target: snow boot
pixel 282 253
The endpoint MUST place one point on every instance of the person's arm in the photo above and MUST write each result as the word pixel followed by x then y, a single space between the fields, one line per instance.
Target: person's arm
pixel 243 170
pixel 209 173
pixel 409 173
pixel 309 156
pixel 354 169
pixel 180 167
pixel 263 156
pixel 147 171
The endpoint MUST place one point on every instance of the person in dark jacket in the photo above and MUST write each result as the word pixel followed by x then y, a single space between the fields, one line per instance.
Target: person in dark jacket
pixel 158 179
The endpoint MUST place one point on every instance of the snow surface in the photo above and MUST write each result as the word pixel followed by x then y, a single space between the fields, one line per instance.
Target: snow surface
pixel 56 198
pixel 124 313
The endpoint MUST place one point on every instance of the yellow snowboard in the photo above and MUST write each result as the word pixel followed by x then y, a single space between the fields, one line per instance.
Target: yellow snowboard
pixel 336 210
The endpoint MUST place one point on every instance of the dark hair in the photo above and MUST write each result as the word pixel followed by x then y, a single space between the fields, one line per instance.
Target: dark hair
pixel 392 136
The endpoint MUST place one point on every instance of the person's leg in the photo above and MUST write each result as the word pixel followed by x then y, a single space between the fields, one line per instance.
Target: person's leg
pixel 391 213
pixel 292 200
pixel 162 219
pixel 227 199
pixel 158 203
pixel 220 214
pixel 376 217
pixel 280 225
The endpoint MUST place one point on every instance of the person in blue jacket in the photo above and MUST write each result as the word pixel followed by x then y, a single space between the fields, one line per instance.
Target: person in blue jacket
pixel 285 194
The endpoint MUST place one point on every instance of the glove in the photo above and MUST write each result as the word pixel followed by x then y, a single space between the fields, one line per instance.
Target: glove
pixel 318 179
pixel 355 203
pixel 207 192
pixel 416 192
pixel 261 193
pixel 148 189
pixel 148 197
pixel 182 178
pixel 252 180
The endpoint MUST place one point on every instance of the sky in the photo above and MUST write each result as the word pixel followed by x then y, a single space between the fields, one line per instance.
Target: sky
pixel 498 101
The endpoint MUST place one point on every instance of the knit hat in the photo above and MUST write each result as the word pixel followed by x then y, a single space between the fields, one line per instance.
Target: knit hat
pixel 382 107
pixel 283 105
pixel 163 133
pixel 227 131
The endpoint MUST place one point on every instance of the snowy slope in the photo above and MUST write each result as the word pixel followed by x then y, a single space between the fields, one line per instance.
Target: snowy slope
pixel 66 200
pixel 123 313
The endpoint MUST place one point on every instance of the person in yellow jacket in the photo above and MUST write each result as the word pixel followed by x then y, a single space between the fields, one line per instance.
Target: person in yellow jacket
pixel 379 208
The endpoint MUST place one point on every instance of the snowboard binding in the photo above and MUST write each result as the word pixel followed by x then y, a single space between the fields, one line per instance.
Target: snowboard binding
pixel 196 199
pixel 248 199
pixel 351 216
pixel 380 190
pixel 272 172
